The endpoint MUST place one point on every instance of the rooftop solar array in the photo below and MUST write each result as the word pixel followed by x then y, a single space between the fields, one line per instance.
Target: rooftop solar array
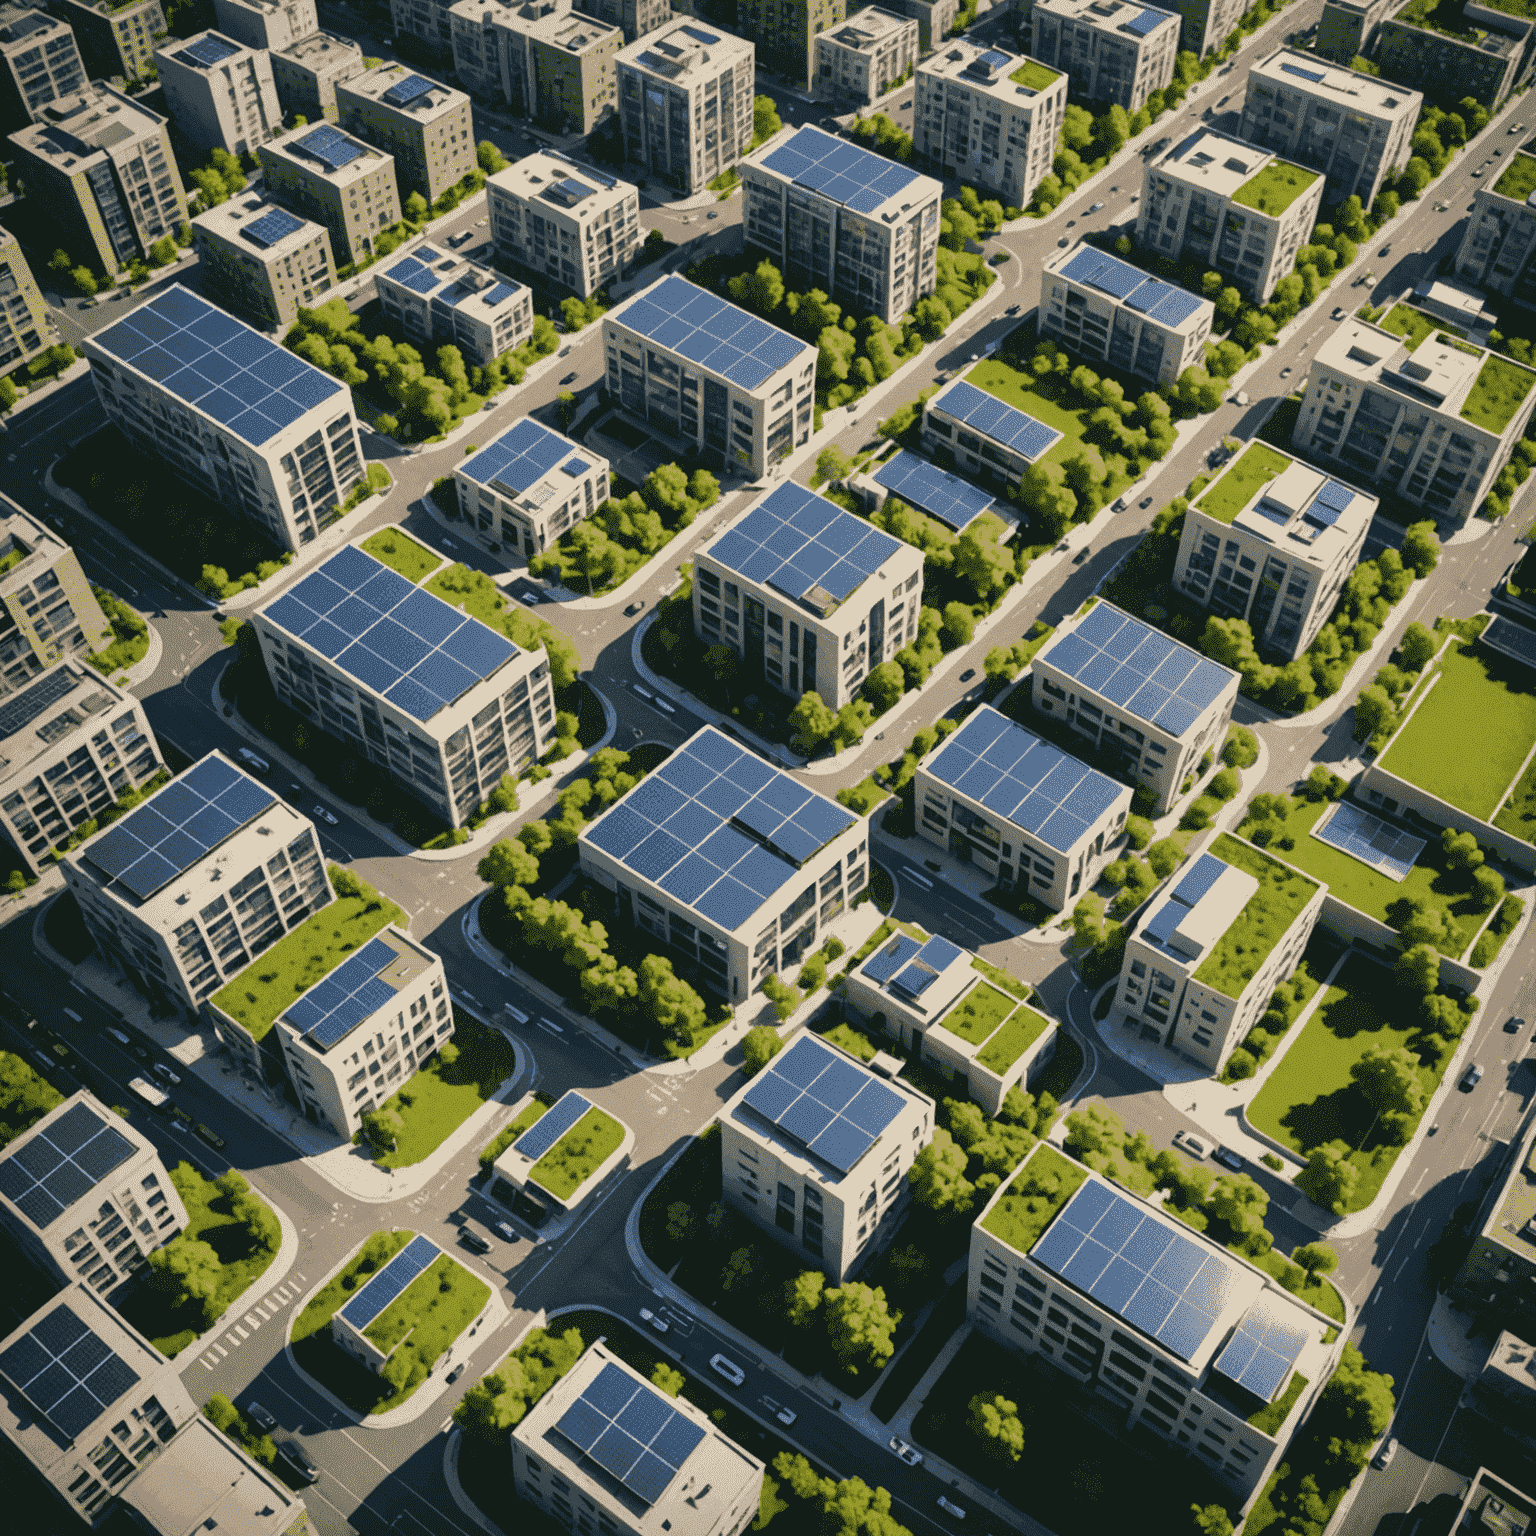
pixel 405 644
pixel 552 1125
pixel 636 1435
pixel 823 1102
pixel 21 709
pixel 1265 1348
pixel 1329 504
pixel 208 50
pixel 700 36
pixel 247 383
pixel 1035 786
pixel 1510 639
pixel 717 829
pixel 414 273
pixel 1193 884
pixel 995 58
pixel 988 415
pixel 500 291
pixel 178 825
pixel 857 178
pixel 694 323
pixel 519 458
pixel 1305 74
pixel 1139 1266
pixel 910 966
pixel 62 1163
pixel 67 1373
pixel 1146 21
pixel 404 92
pixel 272 227
pixel 419 1254
pixel 338 1003
pixel 1150 296
pixel 1370 839
pixel 953 501
pixel 1139 669
pixel 331 146
pixel 804 546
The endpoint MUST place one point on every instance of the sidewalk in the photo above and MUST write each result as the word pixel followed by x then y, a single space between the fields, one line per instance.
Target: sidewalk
pixel 1449 1337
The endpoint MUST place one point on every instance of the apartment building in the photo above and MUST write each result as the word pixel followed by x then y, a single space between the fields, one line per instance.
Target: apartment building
pixel 423 124
pixel 757 382
pixel 220 93
pixel 530 486
pixel 815 1150
pixel 101 164
pixel 812 598
pixel 866 56
pixel 442 702
pixel 935 20
pixel 261 261
pixel 1350 27
pixel 566 223
pixel 270 24
pixel 25 325
pixel 1496 248
pixel 833 216
pixel 184 897
pixel 785 35
pixel 1235 207
pixel 1207 24
pixel 1101 307
pixel 989 118
pixel 286 463
pixel 1111 50
pixel 748 874
pixel 966 428
pixel 1497 1280
pixel 71 744
pixel 1272 542
pixel 1433 424
pixel 114 39
pixel 441 299
pixel 1356 129
pixel 1150 706
pixel 425 21
pixel 328 176
pixel 685 103
pixel 520 1178
pixel 48 611
pixel 306 74
pixel 686 1474
pixel 635 18
pixel 1484 60
pixel 39 63
pixel 1189 1341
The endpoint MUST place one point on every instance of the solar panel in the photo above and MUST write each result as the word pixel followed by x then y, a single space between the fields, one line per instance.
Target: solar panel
pixel 1098 269
pixel 271 227
pixel 331 1009
pixel 66 1372
pixel 388 1283
pixel 940 953
pixel 1146 22
pixel 408 90
pixel 1335 496
pixel 994 58
pixel 1176 306
pixel 208 50
pixel 21 709
pixel 1510 639
pixel 989 416
pixel 1370 839
pixel 501 292
pixel 331 146
pixel 519 458
pixel 887 961
pixel 1265 1348
pixel 180 340
pixel 845 173
pixel 699 35
pixel 397 640
pixel 1305 74
pixel 953 501
pixel 551 1125
pixel 61 1163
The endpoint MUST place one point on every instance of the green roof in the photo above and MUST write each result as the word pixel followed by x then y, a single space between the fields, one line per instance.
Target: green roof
pixel 401 553
pixel 1266 917
pixel 976 1016
pixel 1413 325
pixel 1519 178
pixel 1500 391
pixel 1023 1028
pixel 1275 188
pixel 1045 1182
pixel 1240 481
pixel 1035 75
pixel 578 1154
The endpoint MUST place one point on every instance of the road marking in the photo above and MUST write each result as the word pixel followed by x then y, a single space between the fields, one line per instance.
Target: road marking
pixel 208 1366
pixel 243 1335
pixel 223 1353
pixel 252 1321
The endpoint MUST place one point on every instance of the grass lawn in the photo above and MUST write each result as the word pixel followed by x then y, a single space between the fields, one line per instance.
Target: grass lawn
pixel 1034 75
pixel 421 1323
pixel 578 1154
pixel 1046 1182
pixel 856 1043
pixel 1257 466
pixel 1413 325
pixel 1500 391
pixel 1518 180
pixel 1517 815
pixel 1275 188
pixel 1271 1416
pixel 1318 1292
pixel 1266 915
pixel 1023 1028
pixel 400 552
pixel 976 1017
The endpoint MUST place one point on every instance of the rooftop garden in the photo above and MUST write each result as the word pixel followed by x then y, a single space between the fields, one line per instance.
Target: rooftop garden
pixel 1034 75
pixel 1445 16
pixel 421 1322
pixel 1242 481
pixel 523 1120
pixel 1045 1183
pixel 1413 325
pixel 578 1154
pixel 1499 393
pixel 1519 178
pixel 976 1016
pixel 1023 1027
pixel 1268 1419
pixel 1275 188
pixel 1267 914
pixel 400 552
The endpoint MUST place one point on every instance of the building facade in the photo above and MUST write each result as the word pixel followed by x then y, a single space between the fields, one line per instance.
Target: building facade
pixel 1484 61
pixel 261 261
pixel 424 125
pixel 440 299
pixel 39 63
pixel 48 611
pixel 992 442
pixel 306 74
pixel 1350 27
pixel 635 18
pixel 785 35
pixel 866 56
pixel 270 24
pixel 25 325
pixel 530 486
pixel 1497 1279
pixel 328 176
pixel 1207 24
pixel 114 39
pixel 1111 50
pixel 1500 236
pixel 935 20
pixel 426 22
pixel 220 93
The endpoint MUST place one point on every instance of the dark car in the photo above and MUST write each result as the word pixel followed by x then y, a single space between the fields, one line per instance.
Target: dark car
pixel 210 1135
pixel 260 1417
pixel 473 1241
pixel 570 378
pixel 1513 1025
pixel 1470 1078
pixel 968 674
pixel 299 1460
pixel 1228 1159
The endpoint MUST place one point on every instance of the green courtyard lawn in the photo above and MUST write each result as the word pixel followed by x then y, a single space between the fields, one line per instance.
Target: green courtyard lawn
pixel 1034 75
pixel 1498 394
pixel 1517 815
pixel 1519 178
pixel 1413 325
pixel 578 1154
pixel 400 552
pixel 1266 916
pixel 1256 466
pixel 1048 1180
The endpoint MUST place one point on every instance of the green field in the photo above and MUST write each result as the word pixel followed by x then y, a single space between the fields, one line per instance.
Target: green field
pixel 1246 943
pixel 977 1015
pixel 1034 75
pixel 1023 1028
pixel 1045 1183
pixel 1275 188
pixel 1258 465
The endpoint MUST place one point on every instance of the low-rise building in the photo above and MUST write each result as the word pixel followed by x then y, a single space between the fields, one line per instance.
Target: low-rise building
pixel 992 442
pixel 271 24
pixel 438 298
pixel 815 1150
pixel 1102 307
pixel 1497 1279
pixel 1500 236
pixel 691 1476
pixel 1481 57
pixel 336 180
pixel 114 39
pixel 812 598
pixel 25 325
pixel 568 224
pixel 866 56
pixel 554 1165
pixel 834 216
pixel 1505 1391
pixel 1235 207
pixel 1151 706
pixel 727 862
pixel 988 118
pixel 220 93
pixel 259 260
pixel 698 369
pixel 306 74
pixel 1112 50
pixel 1272 542
pixel 47 609
pixel 285 462
pixel 1455 303
pixel 1207 24
pixel 1433 423
pixel 1493 1506
pixel 423 124
pixel 1025 813
pixel 785 35
pixel 39 63
pixel 188 888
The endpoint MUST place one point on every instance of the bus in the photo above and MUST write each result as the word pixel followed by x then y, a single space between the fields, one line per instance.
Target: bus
pixel 147 1093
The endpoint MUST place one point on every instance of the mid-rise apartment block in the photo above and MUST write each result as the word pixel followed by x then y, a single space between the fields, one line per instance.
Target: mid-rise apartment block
pixel 935 20
pixel 48 611
pixel 1101 307
pixel 1484 60
pixel 1497 1280
pixel 727 862
pixel 114 39
pixel 101 164
pixel 442 702
pixel 866 56
pixel 179 377
pixel 441 299
pixel 1433 424
pixel 815 1151
pixel 685 103
pixel 812 598
pixel 566 223
pixel 1150 706
pixel 696 368
pixel 1272 542
pixel 530 486
pixel 1350 27
pixel 1354 128
pixel 635 18
pixel 1228 204
pixel 261 261
pixel 336 180
pixel 425 21
pixel 423 124
pixel 306 74
pixel 219 92
pixel 992 442
pixel 1207 24
pixel 1501 233
pixel 989 118
pixel 834 216
pixel 270 24
pixel 1112 50
pixel 24 319
pixel 785 35
pixel 1212 947
pixel 188 888
pixel 39 63
pixel 71 744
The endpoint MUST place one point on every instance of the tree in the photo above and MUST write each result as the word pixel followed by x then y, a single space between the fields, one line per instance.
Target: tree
pixel 832 464
pixel 765 119
pixel 1490 886
pixel 802 1297
pixel 1420 548
pixel 416 208
pixel 382 1127
pixel 667 1378
pixel 1316 1258
pixel 679 1221
pixel 1460 850
pixel 995 1422
pixel 861 1327
pixel 1241 749
pixel 958 628
pixel 760 1046
pixel 189 1271
pixel 1213 1520
pixel 1417 646
pixel 676 1008
pixel 1241 1202
pixel 85 281
pixel 1388 1078
pixel 1424 925
pixel 811 721
pixel 1373 712
pixel 761 289
pixel 1418 968
pixel 738 1270
pixel 981 559
pixel 1095 1129
pixel 506 863
pixel 1330 1177
pixel 498 1401
pixel 937 1178
pixel 1357 1404
pixel 565 409
pixel 885 685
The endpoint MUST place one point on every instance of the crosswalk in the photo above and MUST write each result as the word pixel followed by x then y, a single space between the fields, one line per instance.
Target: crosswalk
pixel 276 1301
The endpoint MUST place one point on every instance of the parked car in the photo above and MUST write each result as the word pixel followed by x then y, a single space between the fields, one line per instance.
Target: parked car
pixel 1338 313
pixel 299 1460
pixel 456 1372
pixel 664 706
pixel 951 1508
pixel 645 693
pixel 634 607
pixel 253 760
pixel 1383 1457
pixel 1470 1078
pixel 1513 1024
pixel 474 1241
pixel 1285 373
pixel 1095 208
pixel 259 1416
pixel 504 1229
pixel 1240 398
pixel 325 816
pixel 732 1372
pixel 968 674
pixel 1386 250
pixel 907 1453
pixel 1187 1141
pixel 1228 1159
pixel 570 378
pixel 786 1415
pixel 660 1324
pixel 211 1136
pixel 161 1070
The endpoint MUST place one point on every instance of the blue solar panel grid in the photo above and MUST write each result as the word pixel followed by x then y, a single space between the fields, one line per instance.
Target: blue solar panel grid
pixel 1098 269
pixel 338 1003
pixel 61 1164
pixel 249 385
pixel 890 958
pixel 68 1374
pixel 1335 496
pixel 415 275
pixel 551 1125
pixel 836 169
pixel 1306 74
pixel 387 1283
pixel 930 489
pixel 989 416
pixel 1370 839
pixel 408 90
pixel 1142 24
pixel 208 50
pixel 519 458
pixel 272 227
pixel 1175 306
pixel 1265 1348
pixel 331 146
pixel 700 36
pixel 501 291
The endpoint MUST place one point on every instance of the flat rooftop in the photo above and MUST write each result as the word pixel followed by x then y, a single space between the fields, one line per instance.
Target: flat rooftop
pixel 1006 77
pixel 55 705
pixel 529 464
pixel 18 23
pixel 685 50
pixel 1347 89
pixel 53 1165
pixel 384 1285
pixel 258 226
pixel 401 89
pixel 866 29
pixel 1243 173
pixel 1123 16
pixel 205 51
pixel 327 151
pixel 321 52
pixel 843 173
pixel 1492 1507
pixel 460 284
pixel 1163 303
pixel 954 501
pixel 365 982
pixel 69 131
pixel 1512 1224
pixel 570 31
pixel 561 184
pixel 1005 424
pixel 1299 511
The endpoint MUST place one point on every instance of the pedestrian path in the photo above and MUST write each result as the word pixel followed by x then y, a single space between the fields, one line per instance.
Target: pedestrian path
pixel 273 1305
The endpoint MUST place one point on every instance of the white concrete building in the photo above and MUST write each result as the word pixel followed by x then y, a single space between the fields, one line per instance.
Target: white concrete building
pixel 523 1176
pixel 1456 303
pixel 220 93
pixel 441 299
pixel 324 174
pixel 994 443
pixel 270 24
pixel 263 261
pixel 815 1151
pixel 1208 24
pixel 834 216
pixel 48 610
pixel 1500 236
pixel 567 223
pixel 306 74
pixel 263 432
pixel 423 123
pixel 1151 706
pixel 695 368
pixel 1114 51
pixel 866 56
pixel 729 863
pixel 39 63
pixel 989 118
pixel 188 888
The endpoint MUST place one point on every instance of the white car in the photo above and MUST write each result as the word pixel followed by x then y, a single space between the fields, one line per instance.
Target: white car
pixel 161 1070
pixel 780 1412
pixel 325 816
pixel 645 693
pixel 907 1453
pixel 950 1508
pixel 660 1324
pixel 664 706
pixel 1187 1141
pixel 732 1372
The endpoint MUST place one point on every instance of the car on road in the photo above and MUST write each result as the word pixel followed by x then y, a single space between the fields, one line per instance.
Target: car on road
pixel 712 214
pixel 179 1118
pixel 259 1416
pixel 1383 1457
pixel 253 761
pixel 968 674
pixel 505 1230
pixel 1338 313
pixel 299 1460
pixel 1095 208
pixel 142 1052
pixel 645 693
pixel 1187 1141
pixel 664 706
pixel 907 1453
pixel 634 607
pixel 161 1070
pixel 325 816
pixel 660 1324
pixel 570 378
pixel 1513 1024
pixel 211 1136
pixel 116 1034
pixel 1228 1159
pixel 456 1372
pixel 1240 398
pixel 951 1508
pixel 1478 172
pixel 732 1372
pixel 1470 1078
pixel 1063 242
pixel 1285 373
pixel 474 1241
pixel 1386 250
pixel 43 1059
pixel 1516 129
